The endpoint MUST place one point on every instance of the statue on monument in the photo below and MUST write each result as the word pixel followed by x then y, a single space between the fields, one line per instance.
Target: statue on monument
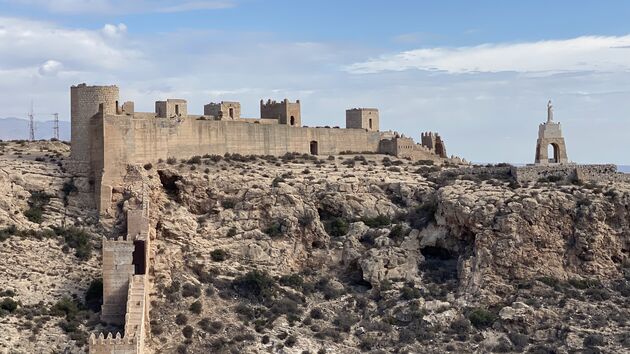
pixel 549 112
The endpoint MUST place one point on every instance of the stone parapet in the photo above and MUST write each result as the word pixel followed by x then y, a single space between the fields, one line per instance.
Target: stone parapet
pixel 570 172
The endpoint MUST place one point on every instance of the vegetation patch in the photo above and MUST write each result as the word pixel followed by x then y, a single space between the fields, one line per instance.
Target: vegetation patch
pixel 77 239
pixel 37 201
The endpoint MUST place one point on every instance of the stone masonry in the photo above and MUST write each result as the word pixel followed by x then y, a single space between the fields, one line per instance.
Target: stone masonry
pixel 125 286
pixel 550 133
pixel 106 137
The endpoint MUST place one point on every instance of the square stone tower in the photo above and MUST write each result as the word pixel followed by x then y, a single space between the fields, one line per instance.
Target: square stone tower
pixel 550 133
pixel 223 110
pixel 362 118
pixel 171 108
pixel 285 112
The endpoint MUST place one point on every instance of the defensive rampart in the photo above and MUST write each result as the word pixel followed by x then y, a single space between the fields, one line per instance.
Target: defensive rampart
pixel 569 172
pixel 125 286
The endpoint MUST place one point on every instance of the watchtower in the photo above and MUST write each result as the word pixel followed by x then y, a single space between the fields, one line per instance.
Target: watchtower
pixel 433 142
pixel 284 111
pixel 85 103
pixel 223 110
pixel 171 108
pixel 550 134
pixel 362 118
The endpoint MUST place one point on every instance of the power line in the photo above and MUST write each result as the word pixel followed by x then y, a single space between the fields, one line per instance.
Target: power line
pixel 31 124
pixel 56 126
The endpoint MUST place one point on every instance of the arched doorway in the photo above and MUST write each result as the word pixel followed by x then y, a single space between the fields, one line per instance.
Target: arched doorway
pixel 314 147
pixel 552 153
pixel 232 113
pixel 292 120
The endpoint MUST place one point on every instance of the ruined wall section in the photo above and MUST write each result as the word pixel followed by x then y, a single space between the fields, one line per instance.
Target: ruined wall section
pixel 117 268
pixel 285 112
pixel 224 110
pixel 593 173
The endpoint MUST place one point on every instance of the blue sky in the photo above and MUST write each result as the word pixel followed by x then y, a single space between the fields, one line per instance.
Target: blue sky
pixel 478 72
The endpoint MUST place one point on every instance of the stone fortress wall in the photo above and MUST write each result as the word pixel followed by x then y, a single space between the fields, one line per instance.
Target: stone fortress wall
pixel 107 136
pixel 126 286
pixel 570 172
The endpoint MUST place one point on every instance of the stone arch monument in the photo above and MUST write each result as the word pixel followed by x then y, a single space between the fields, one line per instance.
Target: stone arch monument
pixel 550 134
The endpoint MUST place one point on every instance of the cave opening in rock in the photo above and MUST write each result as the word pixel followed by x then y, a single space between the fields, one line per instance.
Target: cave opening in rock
pixel 439 265
pixel 168 181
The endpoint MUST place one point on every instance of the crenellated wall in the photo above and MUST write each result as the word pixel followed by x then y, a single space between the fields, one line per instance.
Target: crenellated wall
pixel 126 301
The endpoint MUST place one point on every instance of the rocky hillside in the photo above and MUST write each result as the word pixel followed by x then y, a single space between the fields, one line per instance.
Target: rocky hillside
pixel 344 254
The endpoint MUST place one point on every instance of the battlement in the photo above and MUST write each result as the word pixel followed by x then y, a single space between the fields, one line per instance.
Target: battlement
pixel 284 111
pixel 223 110
pixel 171 108
pixel 110 340
pixel 434 143
pixel 362 118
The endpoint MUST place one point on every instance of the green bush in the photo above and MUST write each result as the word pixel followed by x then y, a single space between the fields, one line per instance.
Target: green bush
pixel 275 229
pixel 191 290
pixel 148 166
pixel 171 160
pixel 77 239
pixel 378 221
pixel 410 293
pixel 194 160
pixel 181 319
pixel 337 227
pixel 584 283
pixel 481 318
pixel 218 255
pixel 36 202
pixel 8 305
pixel 65 307
pixel 188 332
pixel 294 280
pixel 255 285
pixel 7 232
pixel 228 203
pixel 196 307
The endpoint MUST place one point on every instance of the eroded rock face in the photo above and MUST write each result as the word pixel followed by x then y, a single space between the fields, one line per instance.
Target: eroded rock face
pixel 469 260
pixel 257 255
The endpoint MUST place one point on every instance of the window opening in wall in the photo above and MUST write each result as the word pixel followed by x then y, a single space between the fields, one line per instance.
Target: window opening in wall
pixel 370 122
pixel 231 113
pixel 176 109
pixel 292 120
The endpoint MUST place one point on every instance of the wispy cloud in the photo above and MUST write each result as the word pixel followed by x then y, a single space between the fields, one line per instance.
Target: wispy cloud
pixel 588 53
pixel 124 6
pixel 197 5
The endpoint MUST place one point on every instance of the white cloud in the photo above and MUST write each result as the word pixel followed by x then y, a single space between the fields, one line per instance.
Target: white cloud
pixel 114 31
pixel 27 43
pixel 196 5
pixel 50 68
pixel 588 53
pixel 124 6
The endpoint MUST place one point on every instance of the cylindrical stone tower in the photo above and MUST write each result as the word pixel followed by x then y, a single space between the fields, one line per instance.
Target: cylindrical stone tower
pixel 84 104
